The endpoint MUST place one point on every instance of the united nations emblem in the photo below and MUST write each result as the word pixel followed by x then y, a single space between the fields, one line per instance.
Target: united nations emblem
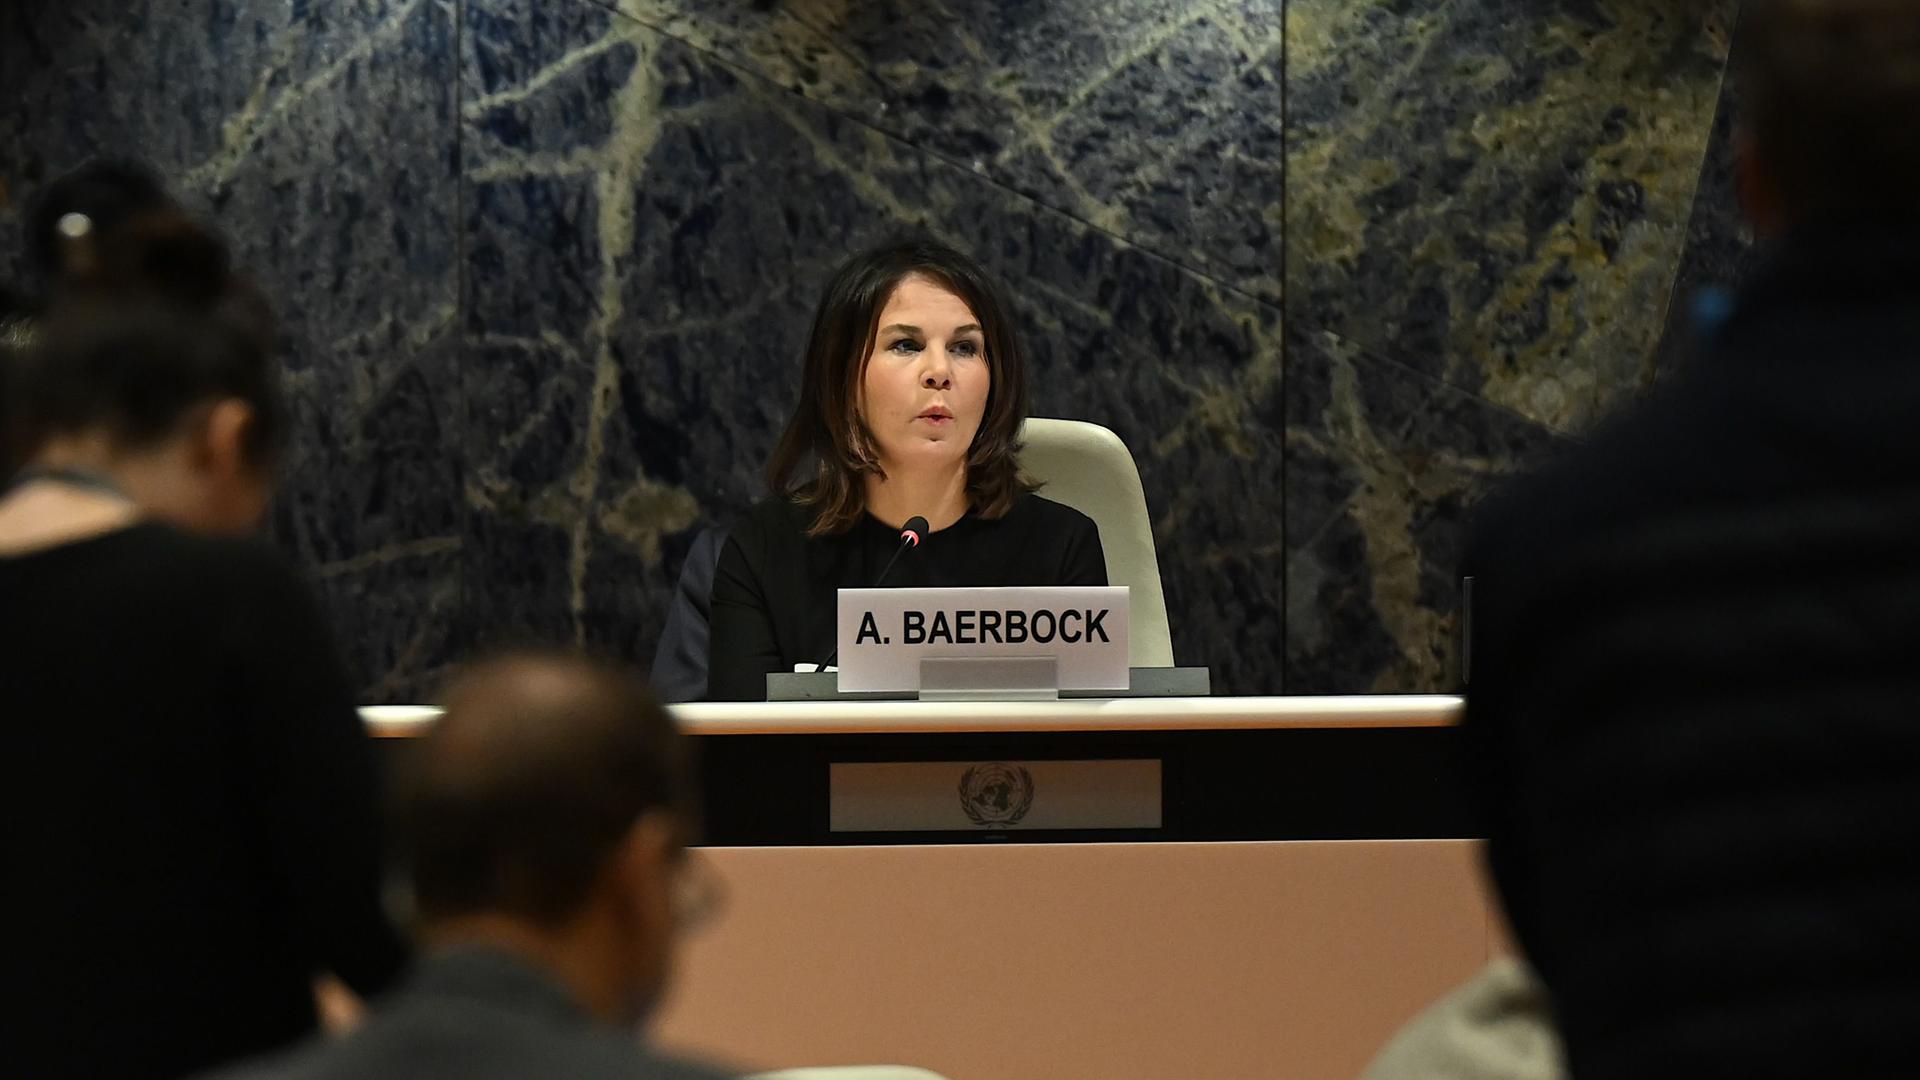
pixel 995 793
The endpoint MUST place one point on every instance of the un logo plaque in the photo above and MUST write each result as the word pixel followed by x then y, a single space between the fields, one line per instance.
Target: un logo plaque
pixel 993 796
pixel 996 793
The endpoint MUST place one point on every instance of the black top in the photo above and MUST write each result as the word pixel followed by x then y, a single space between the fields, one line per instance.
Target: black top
pixel 775 591
pixel 474 1013
pixel 1694 703
pixel 190 806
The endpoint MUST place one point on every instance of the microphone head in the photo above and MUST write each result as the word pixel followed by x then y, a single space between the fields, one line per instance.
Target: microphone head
pixel 913 530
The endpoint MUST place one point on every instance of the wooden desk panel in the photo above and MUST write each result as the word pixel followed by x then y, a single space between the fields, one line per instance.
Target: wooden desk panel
pixel 1158 961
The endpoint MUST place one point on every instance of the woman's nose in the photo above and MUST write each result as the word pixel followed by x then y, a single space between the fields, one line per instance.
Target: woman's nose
pixel 938 374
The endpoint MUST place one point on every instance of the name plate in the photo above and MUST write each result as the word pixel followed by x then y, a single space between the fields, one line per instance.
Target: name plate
pixel 884 634
pixel 974 796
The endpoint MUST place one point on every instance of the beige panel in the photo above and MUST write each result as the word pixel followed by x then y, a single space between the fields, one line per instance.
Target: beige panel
pixel 1106 961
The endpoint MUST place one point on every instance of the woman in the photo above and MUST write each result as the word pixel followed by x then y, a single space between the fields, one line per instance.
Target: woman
pixel 191 811
pixel 910 406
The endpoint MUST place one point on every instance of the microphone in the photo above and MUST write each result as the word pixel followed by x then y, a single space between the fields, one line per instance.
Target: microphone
pixel 910 536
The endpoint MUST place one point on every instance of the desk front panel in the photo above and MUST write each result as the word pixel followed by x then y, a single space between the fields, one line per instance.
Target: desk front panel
pixel 1155 961
pixel 1278 784
pixel 1357 768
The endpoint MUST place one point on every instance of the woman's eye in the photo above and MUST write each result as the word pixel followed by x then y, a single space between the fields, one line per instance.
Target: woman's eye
pixel 904 346
pixel 965 348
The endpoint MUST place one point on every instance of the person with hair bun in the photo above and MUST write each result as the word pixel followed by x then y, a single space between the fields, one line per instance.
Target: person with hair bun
pixel 192 825
pixel 65 227
pixel 94 199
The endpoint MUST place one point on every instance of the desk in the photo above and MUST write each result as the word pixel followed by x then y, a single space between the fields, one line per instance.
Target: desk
pixel 1118 714
pixel 1255 768
pixel 1309 893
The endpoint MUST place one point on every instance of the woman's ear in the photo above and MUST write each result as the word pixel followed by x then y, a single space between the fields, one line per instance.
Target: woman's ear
pixel 643 873
pixel 222 446
pixel 653 844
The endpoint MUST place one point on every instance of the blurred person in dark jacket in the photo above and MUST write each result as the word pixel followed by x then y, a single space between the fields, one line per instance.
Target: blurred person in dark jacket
pixel 1692 701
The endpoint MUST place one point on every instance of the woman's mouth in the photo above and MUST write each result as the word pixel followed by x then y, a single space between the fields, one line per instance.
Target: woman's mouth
pixel 937 415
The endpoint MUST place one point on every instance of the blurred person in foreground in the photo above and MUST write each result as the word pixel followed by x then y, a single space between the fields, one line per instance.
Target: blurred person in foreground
pixel 66 227
pixel 549 813
pixel 107 193
pixel 191 826
pixel 1692 693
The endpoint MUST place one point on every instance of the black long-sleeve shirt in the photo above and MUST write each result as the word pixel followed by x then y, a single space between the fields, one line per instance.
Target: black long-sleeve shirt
pixel 775 593
pixel 191 808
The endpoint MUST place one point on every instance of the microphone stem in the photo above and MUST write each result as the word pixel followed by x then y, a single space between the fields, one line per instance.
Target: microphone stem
pixel 877 582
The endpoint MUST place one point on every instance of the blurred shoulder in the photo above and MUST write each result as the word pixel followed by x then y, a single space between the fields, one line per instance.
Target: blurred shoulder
pixel 173 558
pixel 422 1046
pixel 1650 459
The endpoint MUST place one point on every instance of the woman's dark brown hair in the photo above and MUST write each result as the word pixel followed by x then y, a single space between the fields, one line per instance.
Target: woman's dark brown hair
pixel 826 430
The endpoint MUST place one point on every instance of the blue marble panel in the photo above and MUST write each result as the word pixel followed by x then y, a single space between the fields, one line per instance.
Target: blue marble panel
pixel 1496 192
pixel 1154 120
pixel 525 403
pixel 1384 467
pixel 320 138
pixel 715 204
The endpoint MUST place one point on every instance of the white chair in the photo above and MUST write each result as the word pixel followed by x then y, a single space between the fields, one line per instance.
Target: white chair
pixel 851 1072
pixel 1088 468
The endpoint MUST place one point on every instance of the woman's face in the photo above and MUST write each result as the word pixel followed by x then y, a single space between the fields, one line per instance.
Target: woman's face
pixel 925 388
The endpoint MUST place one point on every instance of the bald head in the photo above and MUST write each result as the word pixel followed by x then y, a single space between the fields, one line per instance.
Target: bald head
pixel 1831 89
pixel 541 766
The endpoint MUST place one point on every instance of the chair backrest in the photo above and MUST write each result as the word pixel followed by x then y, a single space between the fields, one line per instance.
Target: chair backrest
pixel 851 1072
pixel 679 671
pixel 1088 468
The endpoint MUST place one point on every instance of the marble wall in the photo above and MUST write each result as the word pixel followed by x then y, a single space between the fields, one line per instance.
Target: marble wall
pixel 1331 268
pixel 323 136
